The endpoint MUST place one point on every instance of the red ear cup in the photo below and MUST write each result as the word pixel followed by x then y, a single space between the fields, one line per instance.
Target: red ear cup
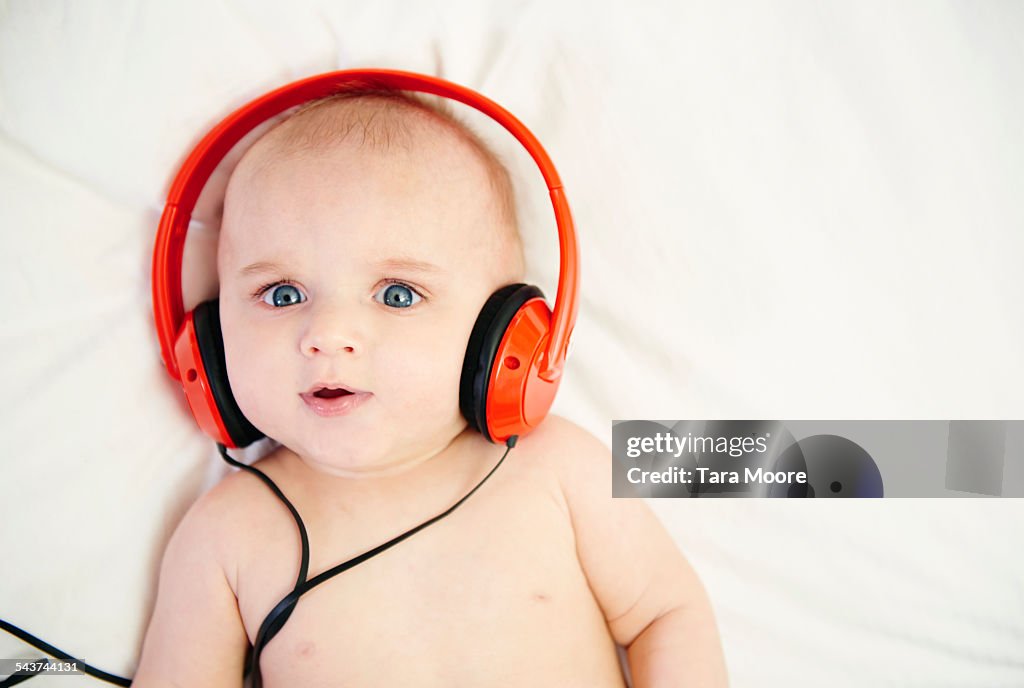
pixel 199 352
pixel 500 392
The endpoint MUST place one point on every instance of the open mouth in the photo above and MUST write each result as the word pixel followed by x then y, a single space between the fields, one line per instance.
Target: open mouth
pixel 325 400
pixel 328 393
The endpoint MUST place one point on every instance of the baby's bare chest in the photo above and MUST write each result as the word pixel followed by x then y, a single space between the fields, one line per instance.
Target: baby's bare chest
pixel 492 595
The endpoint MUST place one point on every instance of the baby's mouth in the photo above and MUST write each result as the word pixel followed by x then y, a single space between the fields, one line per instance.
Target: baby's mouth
pixel 325 400
pixel 327 393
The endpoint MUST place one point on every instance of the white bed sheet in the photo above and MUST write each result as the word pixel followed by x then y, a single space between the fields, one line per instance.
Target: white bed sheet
pixel 795 210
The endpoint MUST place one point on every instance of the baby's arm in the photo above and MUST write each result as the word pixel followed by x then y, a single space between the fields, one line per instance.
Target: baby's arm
pixel 195 637
pixel 653 601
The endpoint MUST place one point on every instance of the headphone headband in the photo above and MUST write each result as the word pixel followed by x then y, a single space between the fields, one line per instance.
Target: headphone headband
pixel 168 310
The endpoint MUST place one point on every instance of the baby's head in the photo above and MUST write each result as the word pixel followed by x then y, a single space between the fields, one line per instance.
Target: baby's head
pixel 360 238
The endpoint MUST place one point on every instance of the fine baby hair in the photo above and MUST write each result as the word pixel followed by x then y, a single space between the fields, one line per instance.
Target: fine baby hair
pixel 379 132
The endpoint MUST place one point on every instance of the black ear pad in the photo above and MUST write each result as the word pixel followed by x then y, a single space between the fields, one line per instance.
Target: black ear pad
pixel 487 334
pixel 206 321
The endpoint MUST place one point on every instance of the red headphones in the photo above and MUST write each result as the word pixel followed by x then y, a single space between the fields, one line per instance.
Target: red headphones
pixel 516 351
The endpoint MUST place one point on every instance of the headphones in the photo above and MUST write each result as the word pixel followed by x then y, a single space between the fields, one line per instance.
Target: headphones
pixel 518 346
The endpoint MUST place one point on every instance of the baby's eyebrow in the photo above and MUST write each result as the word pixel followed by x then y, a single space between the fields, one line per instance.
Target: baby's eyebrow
pixel 260 267
pixel 406 263
pixel 396 263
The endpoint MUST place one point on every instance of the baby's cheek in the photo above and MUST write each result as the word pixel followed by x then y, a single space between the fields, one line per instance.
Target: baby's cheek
pixel 429 377
pixel 252 372
pixel 245 385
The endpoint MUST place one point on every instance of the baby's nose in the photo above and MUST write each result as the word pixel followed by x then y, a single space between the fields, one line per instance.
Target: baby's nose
pixel 331 330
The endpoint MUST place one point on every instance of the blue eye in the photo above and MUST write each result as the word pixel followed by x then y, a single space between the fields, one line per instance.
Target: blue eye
pixel 397 296
pixel 283 295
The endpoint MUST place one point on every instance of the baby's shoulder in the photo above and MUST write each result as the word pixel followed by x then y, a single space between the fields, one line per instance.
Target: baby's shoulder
pixel 566 450
pixel 234 495
pixel 237 505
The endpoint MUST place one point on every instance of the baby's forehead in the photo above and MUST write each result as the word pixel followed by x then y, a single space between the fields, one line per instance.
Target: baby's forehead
pixel 395 132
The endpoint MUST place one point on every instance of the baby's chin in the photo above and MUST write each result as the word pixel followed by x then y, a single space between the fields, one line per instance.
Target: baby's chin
pixel 353 457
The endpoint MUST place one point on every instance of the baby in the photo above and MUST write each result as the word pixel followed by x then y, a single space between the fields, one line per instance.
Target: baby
pixel 360 238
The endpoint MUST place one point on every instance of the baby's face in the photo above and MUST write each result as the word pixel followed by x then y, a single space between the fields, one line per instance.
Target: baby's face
pixel 364 268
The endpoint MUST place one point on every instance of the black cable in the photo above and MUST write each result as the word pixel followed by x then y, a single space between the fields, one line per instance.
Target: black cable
pixel 59 654
pixel 23 675
pixel 273 623
pixel 279 614
pixel 304 561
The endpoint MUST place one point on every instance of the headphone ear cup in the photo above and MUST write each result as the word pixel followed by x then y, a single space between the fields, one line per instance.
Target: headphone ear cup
pixel 226 417
pixel 484 341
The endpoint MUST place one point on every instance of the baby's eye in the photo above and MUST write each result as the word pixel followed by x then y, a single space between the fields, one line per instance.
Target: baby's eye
pixel 283 295
pixel 397 295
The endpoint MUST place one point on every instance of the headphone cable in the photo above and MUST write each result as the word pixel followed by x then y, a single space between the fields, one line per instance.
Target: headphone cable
pixel 280 613
pixel 20 676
